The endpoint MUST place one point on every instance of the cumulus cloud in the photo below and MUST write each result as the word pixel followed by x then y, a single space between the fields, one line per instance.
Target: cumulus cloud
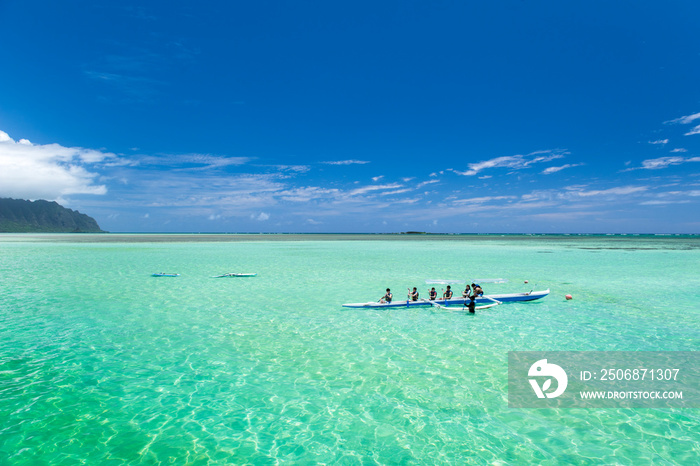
pixel 261 218
pixel 47 171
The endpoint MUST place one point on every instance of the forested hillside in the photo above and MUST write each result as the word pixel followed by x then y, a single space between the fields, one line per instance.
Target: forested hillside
pixel 20 216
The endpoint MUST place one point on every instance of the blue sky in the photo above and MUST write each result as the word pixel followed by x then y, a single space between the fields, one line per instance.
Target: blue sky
pixel 388 116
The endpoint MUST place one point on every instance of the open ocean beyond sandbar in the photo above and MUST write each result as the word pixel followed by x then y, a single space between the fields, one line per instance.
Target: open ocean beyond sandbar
pixel 103 364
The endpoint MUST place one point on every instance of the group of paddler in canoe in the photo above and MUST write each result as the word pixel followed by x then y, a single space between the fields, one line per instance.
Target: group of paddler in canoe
pixel 471 292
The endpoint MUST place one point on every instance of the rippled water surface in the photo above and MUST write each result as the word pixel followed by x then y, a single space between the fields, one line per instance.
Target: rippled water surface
pixel 102 363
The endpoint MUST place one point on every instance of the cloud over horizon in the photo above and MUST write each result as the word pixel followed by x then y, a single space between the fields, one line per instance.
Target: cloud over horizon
pixel 49 171
pixel 175 191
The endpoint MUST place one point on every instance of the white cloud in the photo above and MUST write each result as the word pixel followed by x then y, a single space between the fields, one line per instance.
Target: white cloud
pixel 679 150
pixel 306 194
pixel 423 183
pixel 664 202
pixel 695 130
pixel 512 161
pixel 617 191
pixel 570 194
pixel 685 120
pixel 379 187
pixel 293 168
pixel 193 161
pixel 660 141
pixel 482 200
pixel 663 162
pixel 261 218
pixel 398 191
pixel 550 170
pixel 49 171
pixel 672 197
pixel 213 161
pixel 377 178
pixel 347 162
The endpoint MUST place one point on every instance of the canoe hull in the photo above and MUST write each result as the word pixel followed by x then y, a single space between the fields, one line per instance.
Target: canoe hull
pixel 504 298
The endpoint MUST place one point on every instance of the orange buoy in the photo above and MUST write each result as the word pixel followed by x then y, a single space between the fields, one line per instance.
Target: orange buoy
pixel 568 296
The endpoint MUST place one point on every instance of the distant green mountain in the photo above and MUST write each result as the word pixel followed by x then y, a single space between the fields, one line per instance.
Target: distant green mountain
pixel 20 216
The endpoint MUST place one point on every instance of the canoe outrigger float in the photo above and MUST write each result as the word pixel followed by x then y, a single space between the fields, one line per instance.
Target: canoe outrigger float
pixel 164 274
pixel 236 275
pixel 488 300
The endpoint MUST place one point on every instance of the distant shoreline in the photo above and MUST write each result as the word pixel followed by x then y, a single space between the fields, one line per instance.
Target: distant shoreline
pixel 261 237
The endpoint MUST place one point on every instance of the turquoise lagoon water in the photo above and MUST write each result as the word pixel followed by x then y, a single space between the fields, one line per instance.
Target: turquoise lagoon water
pixel 101 363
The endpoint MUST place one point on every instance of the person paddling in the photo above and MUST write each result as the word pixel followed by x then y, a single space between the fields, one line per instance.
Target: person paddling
pixel 387 297
pixel 413 295
pixel 433 294
pixel 448 293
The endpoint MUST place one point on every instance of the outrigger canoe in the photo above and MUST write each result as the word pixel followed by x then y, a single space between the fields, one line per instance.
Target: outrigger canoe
pixel 486 299
pixel 236 275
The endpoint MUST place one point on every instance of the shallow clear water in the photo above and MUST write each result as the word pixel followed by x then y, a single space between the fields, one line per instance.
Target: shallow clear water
pixel 102 363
